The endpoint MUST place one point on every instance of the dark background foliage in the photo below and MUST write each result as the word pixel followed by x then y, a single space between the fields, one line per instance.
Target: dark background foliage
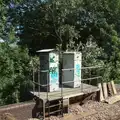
pixel 89 26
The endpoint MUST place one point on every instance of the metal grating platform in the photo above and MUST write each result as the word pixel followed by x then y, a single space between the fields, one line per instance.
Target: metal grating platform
pixel 67 92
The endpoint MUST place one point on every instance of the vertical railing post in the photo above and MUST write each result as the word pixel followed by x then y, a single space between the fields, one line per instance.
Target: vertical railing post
pixel 43 110
pixel 47 85
pixel 61 87
pixel 38 82
pixel 81 81
pixel 90 76
pixel 33 81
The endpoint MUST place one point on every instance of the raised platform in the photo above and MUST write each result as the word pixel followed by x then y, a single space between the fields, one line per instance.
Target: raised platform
pixel 66 92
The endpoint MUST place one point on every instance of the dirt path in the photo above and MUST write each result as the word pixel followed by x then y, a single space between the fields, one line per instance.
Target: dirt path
pixel 19 112
pixel 89 111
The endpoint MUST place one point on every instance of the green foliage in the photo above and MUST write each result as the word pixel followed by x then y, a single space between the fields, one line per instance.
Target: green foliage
pixel 70 24
pixel 65 24
pixel 7 30
pixel 14 72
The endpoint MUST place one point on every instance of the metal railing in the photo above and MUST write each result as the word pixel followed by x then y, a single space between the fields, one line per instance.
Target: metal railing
pixel 39 85
pixel 63 82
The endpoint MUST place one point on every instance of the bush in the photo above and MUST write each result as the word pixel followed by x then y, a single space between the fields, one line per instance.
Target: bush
pixel 15 72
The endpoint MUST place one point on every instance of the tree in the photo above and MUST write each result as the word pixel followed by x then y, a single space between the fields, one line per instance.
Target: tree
pixel 63 21
pixel 14 72
pixel 7 29
pixel 46 26
pixel 70 24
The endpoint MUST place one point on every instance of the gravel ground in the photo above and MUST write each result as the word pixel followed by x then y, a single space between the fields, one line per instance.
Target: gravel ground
pixel 99 111
pixel 91 110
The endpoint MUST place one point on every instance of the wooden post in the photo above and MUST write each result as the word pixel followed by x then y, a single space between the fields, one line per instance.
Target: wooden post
pixel 101 92
pixel 110 88
pixel 105 92
pixel 113 87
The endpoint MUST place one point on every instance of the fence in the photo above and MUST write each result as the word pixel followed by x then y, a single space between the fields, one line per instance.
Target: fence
pixel 89 75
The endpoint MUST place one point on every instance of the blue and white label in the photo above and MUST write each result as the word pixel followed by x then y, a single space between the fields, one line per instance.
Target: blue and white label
pixel 53 72
pixel 78 70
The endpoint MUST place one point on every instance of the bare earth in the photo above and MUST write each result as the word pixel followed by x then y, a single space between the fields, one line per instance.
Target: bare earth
pixel 91 110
